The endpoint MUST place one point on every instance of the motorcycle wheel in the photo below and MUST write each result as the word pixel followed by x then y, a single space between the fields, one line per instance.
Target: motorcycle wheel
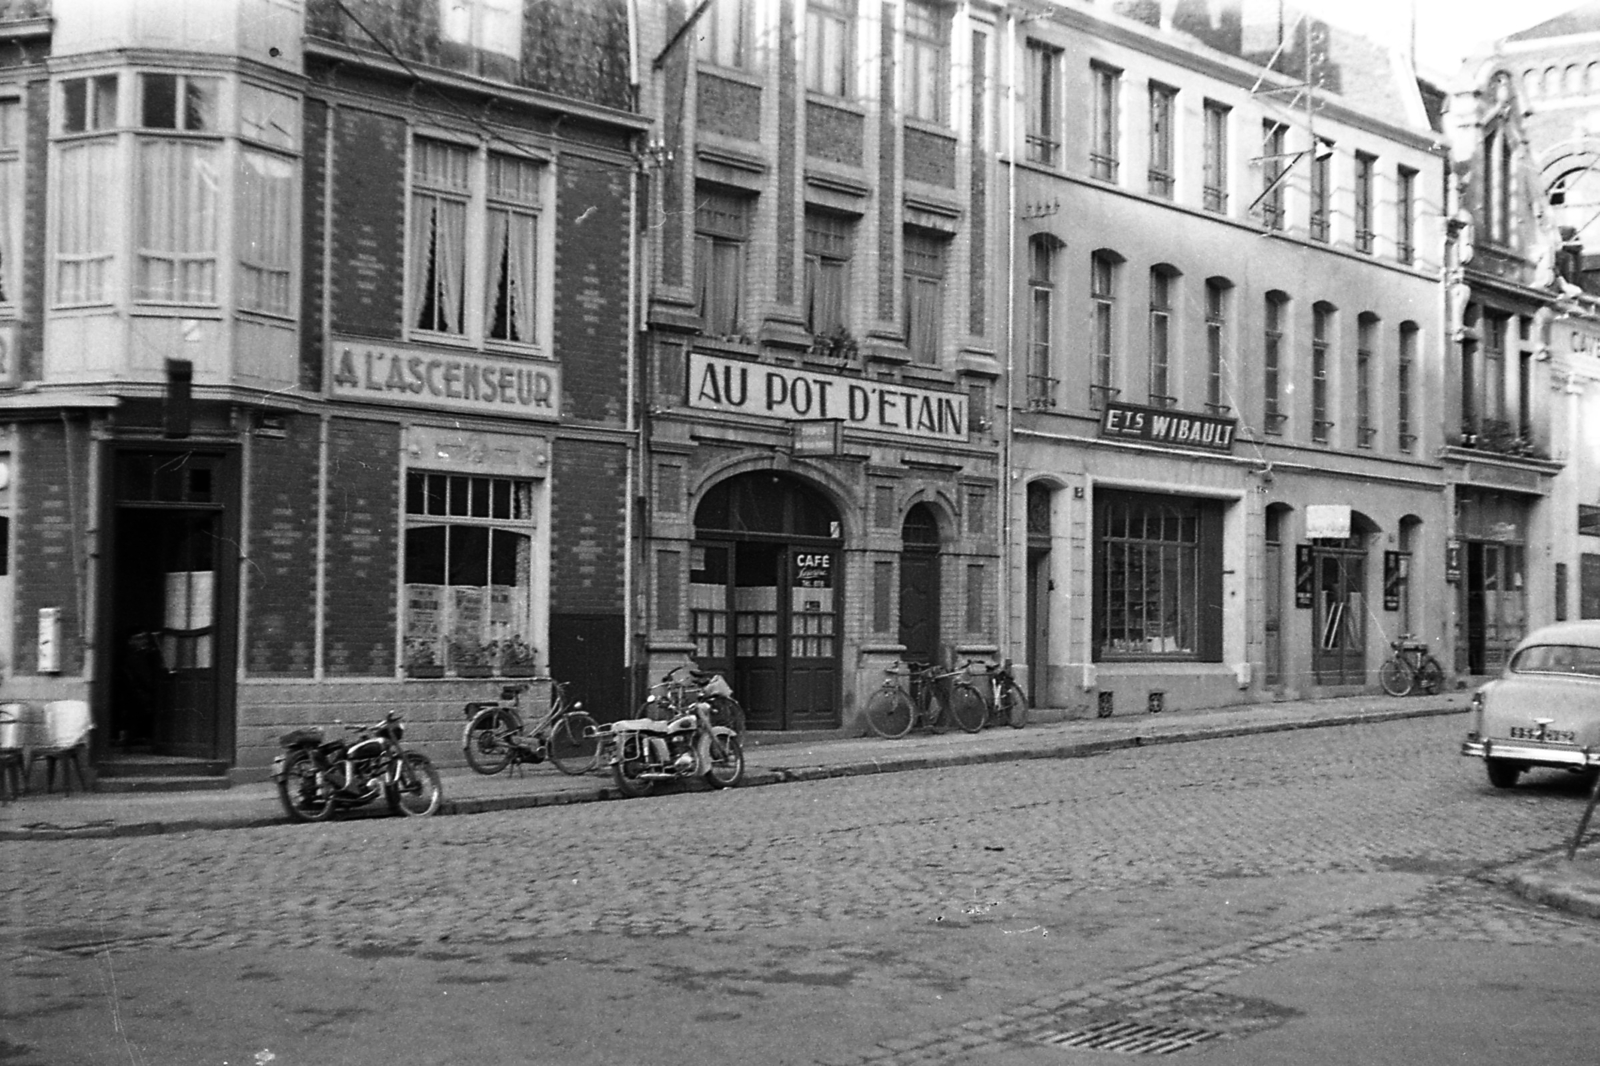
pixel 304 798
pixel 487 741
pixel 727 760
pixel 626 771
pixel 418 793
pixel 574 747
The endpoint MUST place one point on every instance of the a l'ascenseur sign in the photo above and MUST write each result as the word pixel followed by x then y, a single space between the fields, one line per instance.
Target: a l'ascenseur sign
pixel 733 385
pixel 415 376
pixel 1153 425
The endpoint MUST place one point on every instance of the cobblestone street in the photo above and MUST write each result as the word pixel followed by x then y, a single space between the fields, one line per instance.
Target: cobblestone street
pixel 1003 909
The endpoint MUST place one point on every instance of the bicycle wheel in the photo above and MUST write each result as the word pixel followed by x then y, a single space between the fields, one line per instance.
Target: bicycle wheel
pixel 1431 677
pixel 725 710
pixel 418 793
pixel 1009 698
pixel 304 797
pixel 1395 677
pixel 727 760
pixel 487 740
pixel 968 709
pixel 574 746
pixel 889 712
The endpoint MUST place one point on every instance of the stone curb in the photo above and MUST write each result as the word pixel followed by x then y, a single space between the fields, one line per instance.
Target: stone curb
pixel 1548 882
pixel 754 776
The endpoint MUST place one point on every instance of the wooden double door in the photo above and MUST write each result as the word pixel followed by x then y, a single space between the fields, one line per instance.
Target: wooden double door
pixel 765 612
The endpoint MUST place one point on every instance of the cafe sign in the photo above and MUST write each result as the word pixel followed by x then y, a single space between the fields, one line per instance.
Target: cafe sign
pixel 736 386
pixel 1153 425
pixel 436 379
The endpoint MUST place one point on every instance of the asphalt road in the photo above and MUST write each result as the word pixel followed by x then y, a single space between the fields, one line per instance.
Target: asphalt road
pixel 1312 896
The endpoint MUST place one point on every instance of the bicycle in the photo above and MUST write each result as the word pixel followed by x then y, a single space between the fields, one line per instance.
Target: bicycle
pixel 496 735
pixel 1410 668
pixel 672 696
pixel 892 711
pixel 1005 701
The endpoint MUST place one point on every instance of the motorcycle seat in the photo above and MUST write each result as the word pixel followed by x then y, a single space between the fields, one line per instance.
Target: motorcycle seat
pixel 641 725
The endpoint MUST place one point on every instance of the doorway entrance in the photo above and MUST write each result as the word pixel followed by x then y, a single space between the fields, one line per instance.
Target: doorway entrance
pixel 766 596
pixel 1494 611
pixel 919 586
pixel 1339 618
pixel 171 606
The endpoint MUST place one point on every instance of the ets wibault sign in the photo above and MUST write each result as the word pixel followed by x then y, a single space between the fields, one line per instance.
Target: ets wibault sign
pixel 1176 429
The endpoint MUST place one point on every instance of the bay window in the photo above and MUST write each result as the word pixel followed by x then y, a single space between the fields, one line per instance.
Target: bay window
pixel 141 180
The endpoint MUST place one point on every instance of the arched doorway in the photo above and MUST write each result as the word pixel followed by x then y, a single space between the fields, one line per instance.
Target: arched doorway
pixel 765 598
pixel 1339 605
pixel 919 585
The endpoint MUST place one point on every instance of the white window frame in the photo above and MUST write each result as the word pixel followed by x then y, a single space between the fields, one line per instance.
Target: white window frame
pixel 927 61
pixel 13 120
pixel 478 202
pixel 725 35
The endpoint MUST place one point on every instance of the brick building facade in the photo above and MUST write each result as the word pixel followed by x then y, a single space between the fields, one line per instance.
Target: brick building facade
pixel 318 361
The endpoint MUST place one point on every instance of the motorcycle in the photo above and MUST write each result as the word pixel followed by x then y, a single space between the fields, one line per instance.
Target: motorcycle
pixel 317 776
pixel 675 740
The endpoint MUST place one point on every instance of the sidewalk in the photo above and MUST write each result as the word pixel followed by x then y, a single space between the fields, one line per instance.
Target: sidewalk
pixel 776 758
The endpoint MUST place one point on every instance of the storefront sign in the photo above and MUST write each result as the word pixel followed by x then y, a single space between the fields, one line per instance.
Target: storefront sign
pixel 1327 521
pixel 818 438
pixel 1452 561
pixel 414 376
pixel 1304 575
pixel 1126 421
pixel 740 387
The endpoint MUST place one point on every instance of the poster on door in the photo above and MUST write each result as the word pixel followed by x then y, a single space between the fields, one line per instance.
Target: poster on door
pixel 811 586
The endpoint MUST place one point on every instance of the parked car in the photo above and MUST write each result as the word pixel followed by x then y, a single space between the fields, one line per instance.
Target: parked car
pixel 1545 709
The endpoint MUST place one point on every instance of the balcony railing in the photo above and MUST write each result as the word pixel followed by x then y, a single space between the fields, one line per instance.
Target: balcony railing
pixel 1215 199
pixel 1103 167
pixel 1099 395
pixel 1160 183
pixel 1275 421
pixel 1042 392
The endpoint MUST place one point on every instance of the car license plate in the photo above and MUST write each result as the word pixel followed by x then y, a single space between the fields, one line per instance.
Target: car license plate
pixel 1544 735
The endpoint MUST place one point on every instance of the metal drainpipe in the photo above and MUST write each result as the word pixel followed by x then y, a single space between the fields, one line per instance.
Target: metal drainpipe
pixel 1006 503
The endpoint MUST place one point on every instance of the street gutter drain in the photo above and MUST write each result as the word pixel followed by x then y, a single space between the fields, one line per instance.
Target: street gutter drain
pixel 1131 1038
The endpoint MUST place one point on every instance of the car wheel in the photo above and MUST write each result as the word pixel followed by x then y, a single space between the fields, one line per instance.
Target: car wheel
pixel 1502 772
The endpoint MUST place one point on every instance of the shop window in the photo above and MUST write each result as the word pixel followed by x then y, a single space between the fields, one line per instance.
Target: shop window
pixel 468 573
pixel 1157 583
pixel 722 230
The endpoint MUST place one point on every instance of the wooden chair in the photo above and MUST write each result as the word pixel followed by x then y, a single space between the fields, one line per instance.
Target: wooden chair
pixel 13 754
pixel 64 742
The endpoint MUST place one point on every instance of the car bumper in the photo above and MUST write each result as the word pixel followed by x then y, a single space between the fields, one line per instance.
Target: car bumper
pixel 1540 754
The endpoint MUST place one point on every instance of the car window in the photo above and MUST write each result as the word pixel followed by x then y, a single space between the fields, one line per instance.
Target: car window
pixel 1557 659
